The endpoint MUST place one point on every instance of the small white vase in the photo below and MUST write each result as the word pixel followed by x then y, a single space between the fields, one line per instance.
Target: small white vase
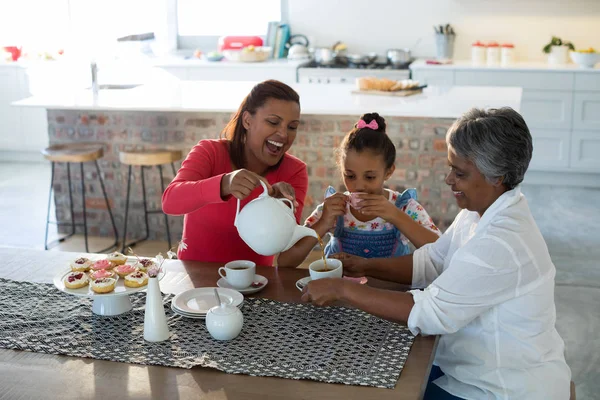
pixel 559 55
pixel 155 320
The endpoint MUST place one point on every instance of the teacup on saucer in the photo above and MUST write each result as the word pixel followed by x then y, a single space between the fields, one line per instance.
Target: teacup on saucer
pixel 334 269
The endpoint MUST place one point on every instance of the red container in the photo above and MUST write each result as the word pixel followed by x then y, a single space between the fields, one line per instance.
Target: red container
pixel 14 51
pixel 238 42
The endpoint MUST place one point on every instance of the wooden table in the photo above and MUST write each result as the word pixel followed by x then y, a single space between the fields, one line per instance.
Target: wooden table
pixel 44 376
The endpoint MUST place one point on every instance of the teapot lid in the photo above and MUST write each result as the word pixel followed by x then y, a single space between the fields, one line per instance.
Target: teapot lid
pixel 224 310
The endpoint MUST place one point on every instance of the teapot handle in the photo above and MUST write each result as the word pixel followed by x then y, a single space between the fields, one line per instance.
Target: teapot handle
pixel 264 193
pixel 290 203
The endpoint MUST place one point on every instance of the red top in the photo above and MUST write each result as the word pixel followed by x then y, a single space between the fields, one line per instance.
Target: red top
pixel 208 228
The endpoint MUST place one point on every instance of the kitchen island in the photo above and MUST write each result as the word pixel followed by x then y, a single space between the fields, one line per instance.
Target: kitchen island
pixel 177 114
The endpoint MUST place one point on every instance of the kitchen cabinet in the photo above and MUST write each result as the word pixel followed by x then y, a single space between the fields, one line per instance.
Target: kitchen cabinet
pixel 551 149
pixel 561 106
pixel 435 78
pixel 585 151
pixel 23 132
pixel 586 112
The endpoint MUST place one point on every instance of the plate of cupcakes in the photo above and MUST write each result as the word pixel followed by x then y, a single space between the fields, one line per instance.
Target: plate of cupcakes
pixel 113 275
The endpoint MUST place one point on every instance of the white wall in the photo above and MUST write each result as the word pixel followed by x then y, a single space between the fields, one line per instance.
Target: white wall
pixel 376 25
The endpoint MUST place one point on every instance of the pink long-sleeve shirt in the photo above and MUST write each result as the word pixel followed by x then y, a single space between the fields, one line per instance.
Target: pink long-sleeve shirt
pixel 208 228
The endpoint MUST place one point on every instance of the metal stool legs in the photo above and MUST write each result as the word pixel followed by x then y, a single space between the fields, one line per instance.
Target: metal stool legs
pixel 47 245
pixel 146 211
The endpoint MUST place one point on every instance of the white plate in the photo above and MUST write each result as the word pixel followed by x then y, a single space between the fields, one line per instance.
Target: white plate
pixel 300 283
pixel 258 279
pixel 86 291
pixel 200 300
pixel 189 315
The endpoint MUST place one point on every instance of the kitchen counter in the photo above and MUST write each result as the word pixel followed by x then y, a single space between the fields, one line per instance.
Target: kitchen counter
pixel 522 66
pixel 174 61
pixel 217 97
pixel 178 114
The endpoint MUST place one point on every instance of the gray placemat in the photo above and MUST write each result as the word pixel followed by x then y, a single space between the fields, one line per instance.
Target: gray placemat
pixel 287 340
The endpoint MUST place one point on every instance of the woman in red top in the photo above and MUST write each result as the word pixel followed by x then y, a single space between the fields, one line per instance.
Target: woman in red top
pixel 218 172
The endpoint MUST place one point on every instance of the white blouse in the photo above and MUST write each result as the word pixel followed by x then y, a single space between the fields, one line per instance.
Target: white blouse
pixel 489 293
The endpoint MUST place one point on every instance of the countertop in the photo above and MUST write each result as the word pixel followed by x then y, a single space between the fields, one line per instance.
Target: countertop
pixel 226 96
pixel 519 66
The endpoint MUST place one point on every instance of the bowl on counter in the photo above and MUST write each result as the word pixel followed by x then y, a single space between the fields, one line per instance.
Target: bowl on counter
pixel 585 60
pixel 214 57
pixel 248 54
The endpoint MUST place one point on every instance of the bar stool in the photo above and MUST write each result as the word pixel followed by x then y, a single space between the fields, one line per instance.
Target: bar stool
pixel 76 153
pixel 147 159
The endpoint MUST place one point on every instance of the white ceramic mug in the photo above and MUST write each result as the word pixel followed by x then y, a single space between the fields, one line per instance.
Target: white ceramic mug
pixel 239 274
pixel 334 269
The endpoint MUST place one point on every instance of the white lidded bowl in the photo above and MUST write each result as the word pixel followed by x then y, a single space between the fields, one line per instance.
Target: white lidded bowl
pixel 257 55
pixel 585 60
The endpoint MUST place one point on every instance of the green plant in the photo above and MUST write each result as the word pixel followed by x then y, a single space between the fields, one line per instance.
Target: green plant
pixel 556 41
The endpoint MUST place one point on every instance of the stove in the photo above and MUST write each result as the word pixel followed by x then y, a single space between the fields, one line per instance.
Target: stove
pixel 347 73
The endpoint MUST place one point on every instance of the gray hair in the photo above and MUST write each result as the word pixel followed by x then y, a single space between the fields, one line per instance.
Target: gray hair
pixel 497 141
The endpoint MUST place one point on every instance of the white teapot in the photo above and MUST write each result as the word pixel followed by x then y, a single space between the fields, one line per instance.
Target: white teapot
pixel 268 225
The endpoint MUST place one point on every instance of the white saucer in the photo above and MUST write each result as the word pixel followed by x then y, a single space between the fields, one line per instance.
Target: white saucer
pixel 258 279
pixel 189 315
pixel 198 301
pixel 300 283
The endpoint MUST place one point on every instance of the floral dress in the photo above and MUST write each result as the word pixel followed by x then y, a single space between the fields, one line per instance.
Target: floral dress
pixel 376 238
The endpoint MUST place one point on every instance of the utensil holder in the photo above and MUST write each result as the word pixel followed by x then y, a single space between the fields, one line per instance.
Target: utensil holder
pixel 444 46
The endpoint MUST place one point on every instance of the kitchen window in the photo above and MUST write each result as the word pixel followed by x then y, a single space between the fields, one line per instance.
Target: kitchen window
pixel 201 23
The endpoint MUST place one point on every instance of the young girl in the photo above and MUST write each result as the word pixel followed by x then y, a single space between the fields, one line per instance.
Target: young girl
pixel 368 220
pixel 218 172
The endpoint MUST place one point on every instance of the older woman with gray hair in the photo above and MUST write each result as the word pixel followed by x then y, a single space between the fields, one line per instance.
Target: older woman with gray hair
pixel 488 281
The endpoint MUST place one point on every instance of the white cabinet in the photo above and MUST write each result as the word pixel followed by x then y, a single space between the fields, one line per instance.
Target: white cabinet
pixel 585 150
pixel 10 120
pixel 551 149
pixel 547 109
pixel 436 78
pixel 587 81
pixel 180 73
pixel 525 79
pixel 586 112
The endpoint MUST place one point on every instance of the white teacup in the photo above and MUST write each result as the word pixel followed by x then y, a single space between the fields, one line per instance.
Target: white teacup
pixel 317 269
pixel 239 274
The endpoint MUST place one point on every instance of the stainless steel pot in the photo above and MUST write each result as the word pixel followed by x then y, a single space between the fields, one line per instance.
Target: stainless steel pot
pixel 362 59
pixel 324 56
pixel 398 57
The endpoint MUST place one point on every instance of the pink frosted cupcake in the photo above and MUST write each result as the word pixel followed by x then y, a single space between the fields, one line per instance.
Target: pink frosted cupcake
pixel 102 273
pixel 102 264
pixel 124 270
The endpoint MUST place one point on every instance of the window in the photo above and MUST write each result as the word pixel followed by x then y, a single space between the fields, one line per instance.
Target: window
pixel 201 22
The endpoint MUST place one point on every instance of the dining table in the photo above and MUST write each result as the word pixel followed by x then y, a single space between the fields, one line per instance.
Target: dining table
pixel 37 375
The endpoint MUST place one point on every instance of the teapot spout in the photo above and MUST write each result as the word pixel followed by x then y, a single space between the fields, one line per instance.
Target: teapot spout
pixel 299 233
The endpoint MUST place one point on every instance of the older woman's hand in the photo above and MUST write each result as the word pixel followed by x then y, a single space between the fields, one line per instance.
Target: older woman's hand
pixel 353 265
pixel 286 191
pixel 323 292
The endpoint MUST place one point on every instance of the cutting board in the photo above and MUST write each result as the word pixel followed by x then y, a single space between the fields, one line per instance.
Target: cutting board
pixel 398 93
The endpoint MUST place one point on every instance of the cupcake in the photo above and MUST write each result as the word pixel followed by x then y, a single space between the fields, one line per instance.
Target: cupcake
pixel 124 270
pixel 102 264
pixel 136 279
pixel 82 264
pixel 144 264
pixel 102 273
pixel 117 258
pixel 76 280
pixel 103 285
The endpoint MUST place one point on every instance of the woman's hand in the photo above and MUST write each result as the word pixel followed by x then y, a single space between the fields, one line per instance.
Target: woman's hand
pixel 286 191
pixel 323 292
pixel 333 207
pixel 377 205
pixel 241 183
pixel 353 265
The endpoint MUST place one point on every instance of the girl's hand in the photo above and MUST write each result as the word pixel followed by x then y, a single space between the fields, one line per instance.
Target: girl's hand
pixel 286 191
pixel 323 292
pixel 333 207
pixel 376 205
pixel 353 265
pixel 241 183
